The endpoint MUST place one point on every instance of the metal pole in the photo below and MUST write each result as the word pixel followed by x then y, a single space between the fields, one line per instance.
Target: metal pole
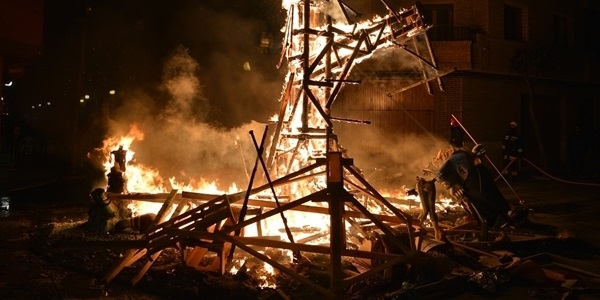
pixel 489 160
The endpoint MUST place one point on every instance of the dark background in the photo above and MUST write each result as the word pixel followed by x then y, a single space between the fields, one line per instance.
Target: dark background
pixel 92 47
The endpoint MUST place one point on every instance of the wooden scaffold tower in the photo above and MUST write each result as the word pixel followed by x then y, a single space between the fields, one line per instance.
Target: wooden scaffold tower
pixel 304 164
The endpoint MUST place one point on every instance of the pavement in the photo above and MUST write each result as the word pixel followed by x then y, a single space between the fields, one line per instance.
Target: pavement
pixel 35 192
pixel 570 206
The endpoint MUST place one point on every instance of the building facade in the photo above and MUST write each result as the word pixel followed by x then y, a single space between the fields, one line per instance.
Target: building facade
pixel 533 62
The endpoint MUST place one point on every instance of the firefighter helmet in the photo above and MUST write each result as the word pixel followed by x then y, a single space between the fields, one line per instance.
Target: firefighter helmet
pixel 453 122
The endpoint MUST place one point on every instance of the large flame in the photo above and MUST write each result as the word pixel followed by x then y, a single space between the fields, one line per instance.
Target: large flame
pixel 142 178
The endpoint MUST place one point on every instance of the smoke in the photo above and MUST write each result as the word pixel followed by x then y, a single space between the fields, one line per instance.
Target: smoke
pixel 177 142
pixel 218 87
pixel 397 60
pixel 193 79
pixel 390 162
pixel 398 163
pixel 240 78
pixel 127 43
pixel 332 9
pixel 183 87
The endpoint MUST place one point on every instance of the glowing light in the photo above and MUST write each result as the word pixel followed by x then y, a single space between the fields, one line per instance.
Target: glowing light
pixel 112 92
pixel 10 83
pixel 81 100
pixel 48 103
pixel 236 264
pixel 86 97
pixel 145 179
pixel 266 282
pixel 288 3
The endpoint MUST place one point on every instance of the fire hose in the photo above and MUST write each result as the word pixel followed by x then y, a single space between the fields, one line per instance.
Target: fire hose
pixel 505 168
pixel 527 161
pixel 547 174
pixel 558 179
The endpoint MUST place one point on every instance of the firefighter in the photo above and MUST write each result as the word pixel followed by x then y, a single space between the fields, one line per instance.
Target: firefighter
pixel 472 185
pixel 512 151
pixel 457 135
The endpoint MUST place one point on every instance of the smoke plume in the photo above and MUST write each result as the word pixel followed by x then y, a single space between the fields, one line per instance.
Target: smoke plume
pixel 177 142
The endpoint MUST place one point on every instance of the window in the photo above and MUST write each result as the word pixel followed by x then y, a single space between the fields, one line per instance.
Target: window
pixel 513 23
pixel 441 17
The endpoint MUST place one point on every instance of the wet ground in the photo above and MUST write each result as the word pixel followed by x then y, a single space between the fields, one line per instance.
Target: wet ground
pixel 34 197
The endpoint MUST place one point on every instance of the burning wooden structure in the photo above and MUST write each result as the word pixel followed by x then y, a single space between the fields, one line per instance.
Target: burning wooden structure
pixel 311 171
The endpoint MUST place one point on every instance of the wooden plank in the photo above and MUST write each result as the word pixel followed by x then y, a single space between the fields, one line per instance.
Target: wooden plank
pixel 120 265
pixel 202 246
pixel 166 238
pixel 162 213
pixel 145 268
pixel 136 257
pixel 180 208
pixel 388 264
pixel 135 254
pixel 225 249
pixel 284 207
pixel 263 242
pixel 186 220
pixel 327 293
pixel 158 197
pixel 188 214
pixel 382 226
pixel 198 197
pixel 289 178
pixel 196 256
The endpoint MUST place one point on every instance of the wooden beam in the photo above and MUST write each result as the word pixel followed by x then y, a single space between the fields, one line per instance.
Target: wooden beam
pixel 262 242
pixel 278 266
